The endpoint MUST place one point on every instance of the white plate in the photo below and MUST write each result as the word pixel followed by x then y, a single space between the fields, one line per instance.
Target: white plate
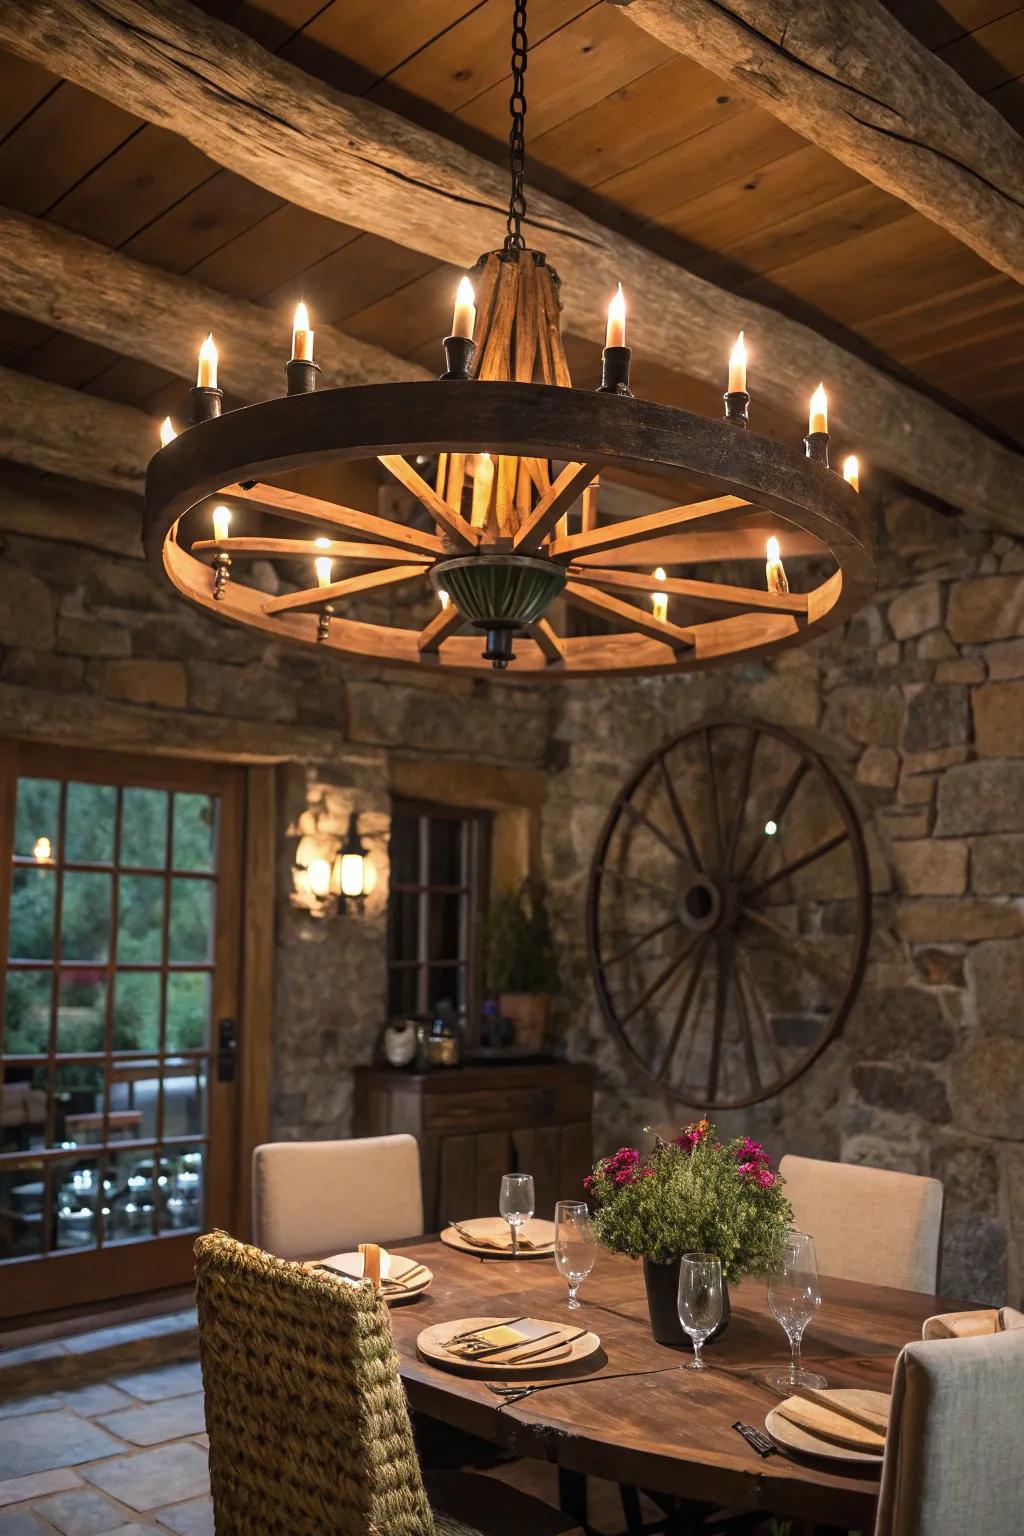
pixel 541 1233
pixel 792 1438
pixel 393 1267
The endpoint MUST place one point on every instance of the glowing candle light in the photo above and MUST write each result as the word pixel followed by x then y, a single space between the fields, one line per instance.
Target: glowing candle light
pixel 167 432
pixel 615 331
pixel 659 573
pixel 443 598
pixel 851 470
pixel 221 523
pixel 318 872
pixel 659 606
pixel 483 482
pixel 302 336
pixel 774 571
pixel 464 318
pixel 42 850
pixel 738 366
pixel 206 377
pixel 322 543
pixel 323 568
pixel 819 411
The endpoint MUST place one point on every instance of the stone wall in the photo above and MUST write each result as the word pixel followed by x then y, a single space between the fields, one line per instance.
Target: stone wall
pixel 919 706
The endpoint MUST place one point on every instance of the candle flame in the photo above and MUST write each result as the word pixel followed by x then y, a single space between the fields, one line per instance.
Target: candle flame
pixel 851 470
pixel 464 292
pixel 301 320
pixel 659 606
pixel 323 568
pixel 819 410
pixel 738 355
pixel 167 432
pixel 322 543
pixel 443 598
pixel 772 551
pixel 207 376
pixel 658 573
pixel 221 523
pixel 42 850
pixel 615 331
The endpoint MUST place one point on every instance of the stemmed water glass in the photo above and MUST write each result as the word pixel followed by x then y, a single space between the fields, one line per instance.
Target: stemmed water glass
pixel 575 1245
pixel 699 1300
pixel 516 1203
pixel 794 1296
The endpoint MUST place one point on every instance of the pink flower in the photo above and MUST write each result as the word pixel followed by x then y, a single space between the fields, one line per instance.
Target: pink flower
pixel 588 1182
pixel 766 1179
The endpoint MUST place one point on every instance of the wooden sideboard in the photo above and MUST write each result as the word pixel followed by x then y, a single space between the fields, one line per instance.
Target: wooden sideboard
pixel 475 1123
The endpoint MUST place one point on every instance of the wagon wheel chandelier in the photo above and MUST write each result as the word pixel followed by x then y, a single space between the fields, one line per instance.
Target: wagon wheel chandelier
pixel 513 506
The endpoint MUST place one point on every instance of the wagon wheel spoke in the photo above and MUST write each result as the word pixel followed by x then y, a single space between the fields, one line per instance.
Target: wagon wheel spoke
pixel 741 798
pixel 711 789
pixel 744 981
pixel 569 486
pixel 640 941
pixel 634 530
pixel 814 958
pixel 352 586
pixel 800 863
pixel 299 507
pixel 749 1053
pixel 664 975
pixel 451 522
pixel 725 945
pixel 646 885
pixel 432 635
pixel 683 1013
pixel 593 600
pixel 708 598
pixel 678 812
pixel 309 549
pixel 789 789
pixel 652 827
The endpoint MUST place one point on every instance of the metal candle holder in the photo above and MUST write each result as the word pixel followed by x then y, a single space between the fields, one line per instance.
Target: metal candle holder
pixel 459 352
pixel 301 373
pixel 816 444
pixel 204 404
pixel 221 572
pixel 615 371
pixel 323 623
pixel 737 404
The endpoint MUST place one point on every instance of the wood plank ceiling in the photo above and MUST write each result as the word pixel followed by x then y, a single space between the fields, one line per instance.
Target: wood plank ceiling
pixel 619 126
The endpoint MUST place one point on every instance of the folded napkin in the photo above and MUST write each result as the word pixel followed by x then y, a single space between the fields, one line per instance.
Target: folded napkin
pixel 968 1325
pixel 482 1240
pixel 504 1336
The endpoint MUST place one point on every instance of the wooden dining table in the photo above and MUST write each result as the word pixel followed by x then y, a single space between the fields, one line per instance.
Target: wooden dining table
pixel 630 1413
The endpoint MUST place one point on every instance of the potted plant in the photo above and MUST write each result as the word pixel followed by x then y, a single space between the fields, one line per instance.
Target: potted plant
pixel 520 968
pixel 694 1193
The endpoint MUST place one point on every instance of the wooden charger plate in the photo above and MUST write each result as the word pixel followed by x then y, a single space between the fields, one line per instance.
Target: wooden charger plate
pixel 431 1342
pixel 793 1437
pixel 393 1267
pixel 538 1231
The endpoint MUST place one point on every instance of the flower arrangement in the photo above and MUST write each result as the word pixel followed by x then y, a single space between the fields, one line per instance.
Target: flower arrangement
pixel 694 1193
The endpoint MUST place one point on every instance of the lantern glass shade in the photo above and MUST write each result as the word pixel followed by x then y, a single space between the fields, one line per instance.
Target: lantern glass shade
pixel 318 872
pixel 352 873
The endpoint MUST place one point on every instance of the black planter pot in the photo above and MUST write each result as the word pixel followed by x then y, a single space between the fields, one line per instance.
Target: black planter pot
pixel 662 1282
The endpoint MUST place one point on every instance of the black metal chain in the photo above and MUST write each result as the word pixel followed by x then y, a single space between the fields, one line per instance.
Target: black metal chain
pixel 517 134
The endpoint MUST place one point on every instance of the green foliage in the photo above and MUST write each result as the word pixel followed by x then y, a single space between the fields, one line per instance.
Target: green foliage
pixel 519 950
pixel 694 1194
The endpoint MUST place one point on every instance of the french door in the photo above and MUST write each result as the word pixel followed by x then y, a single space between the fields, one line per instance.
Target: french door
pixel 120 884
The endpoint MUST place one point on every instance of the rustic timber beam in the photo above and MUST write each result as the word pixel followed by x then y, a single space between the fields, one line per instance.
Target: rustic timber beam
pixel 853 80
pixel 66 432
pixel 69 512
pixel 349 159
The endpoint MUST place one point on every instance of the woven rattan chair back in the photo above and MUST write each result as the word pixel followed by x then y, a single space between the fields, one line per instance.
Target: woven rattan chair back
pixel 309 1431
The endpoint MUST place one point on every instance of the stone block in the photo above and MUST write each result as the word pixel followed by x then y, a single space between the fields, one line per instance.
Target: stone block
pixel 90 637
pixel 870 715
pixel 967 670
pixel 940 967
pixel 973 1261
pixel 41 669
pixel 255 692
pixel 985 796
pixel 997 865
pixel 987 1086
pixel 987 608
pixel 935 645
pixel 888 655
pixel 1005 659
pixel 917 789
pixel 898 823
pixel 898 1022
pixel 913 527
pixel 936 759
pixel 964 919
pixel 908 1089
pixel 929 867
pixel 145 682
pixel 969 1172
pixel 995 972
pixel 999 719
pixel 114 584
pixel 916 610
pixel 879 767
pixel 27 609
pixel 936 717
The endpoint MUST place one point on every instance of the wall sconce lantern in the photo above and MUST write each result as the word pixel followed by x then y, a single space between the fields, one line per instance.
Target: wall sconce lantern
pixel 341 882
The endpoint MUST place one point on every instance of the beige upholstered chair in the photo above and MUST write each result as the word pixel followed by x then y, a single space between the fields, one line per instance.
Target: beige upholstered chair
pixel 308 1425
pixel 867 1223
pixel 311 1198
pixel 953 1464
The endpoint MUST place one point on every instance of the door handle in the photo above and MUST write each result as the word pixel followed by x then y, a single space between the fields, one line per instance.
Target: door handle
pixel 227 1050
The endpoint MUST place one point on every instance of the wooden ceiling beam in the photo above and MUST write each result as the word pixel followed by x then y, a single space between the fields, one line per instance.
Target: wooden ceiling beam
pixel 67 432
pixel 352 160
pixel 854 81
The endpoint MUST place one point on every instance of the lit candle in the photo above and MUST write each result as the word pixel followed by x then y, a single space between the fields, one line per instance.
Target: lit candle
pixel 819 411
pixel 774 572
pixel 206 377
pixel 464 318
pixel 302 336
pixel 659 606
pixel 323 568
pixel 659 573
pixel 851 470
pixel 615 331
pixel 322 543
pixel 167 432
pixel 738 366
pixel 42 850
pixel 221 523
pixel 483 481
pixel 443 598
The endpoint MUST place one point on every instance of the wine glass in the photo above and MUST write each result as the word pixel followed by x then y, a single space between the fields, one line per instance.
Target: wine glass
pixel 575 1246
pixel 516 1203
pixel 794 1296
pixel 699 1300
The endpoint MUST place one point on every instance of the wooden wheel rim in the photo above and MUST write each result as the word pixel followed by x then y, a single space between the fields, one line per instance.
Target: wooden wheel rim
pixel 259 442
pixel 728 913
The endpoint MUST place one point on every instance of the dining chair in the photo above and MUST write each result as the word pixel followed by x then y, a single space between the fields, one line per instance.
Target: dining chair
pixel 307 1419
pixel 312 1198
pixel 868 1223
pixel 953 1460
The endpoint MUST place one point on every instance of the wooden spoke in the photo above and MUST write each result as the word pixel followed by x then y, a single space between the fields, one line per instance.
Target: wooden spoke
pixel 685 1005
pixel 711 790
pixel 808 952
pixel 664 975
pixel 789 789
pixel 454 525
pixel 645 821
pixel 741 798
pixel 548 641
pixel 588 513
pixel 742 542
pixel 634 529
pixel 678 812
pixel 568 487
pixel 746 1036
pixel 744 981
pixel 701 596
pixel 800 863
pixel 443 624
pixel 724 945
pixel 646 885
pixel 592 600
pixel 352 586
pixel 307 549
pixel 641 940
pixel 310 509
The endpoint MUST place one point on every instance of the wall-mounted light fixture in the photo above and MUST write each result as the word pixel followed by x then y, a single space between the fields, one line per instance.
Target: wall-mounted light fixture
pixel 337 877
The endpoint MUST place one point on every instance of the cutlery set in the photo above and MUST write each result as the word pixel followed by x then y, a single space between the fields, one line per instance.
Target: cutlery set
pixel 474 1344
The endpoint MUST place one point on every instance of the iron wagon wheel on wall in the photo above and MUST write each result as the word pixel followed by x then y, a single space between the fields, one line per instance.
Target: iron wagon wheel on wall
pixel 728 913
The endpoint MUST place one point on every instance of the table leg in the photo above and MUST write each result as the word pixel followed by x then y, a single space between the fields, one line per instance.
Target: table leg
pixel 572 1494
